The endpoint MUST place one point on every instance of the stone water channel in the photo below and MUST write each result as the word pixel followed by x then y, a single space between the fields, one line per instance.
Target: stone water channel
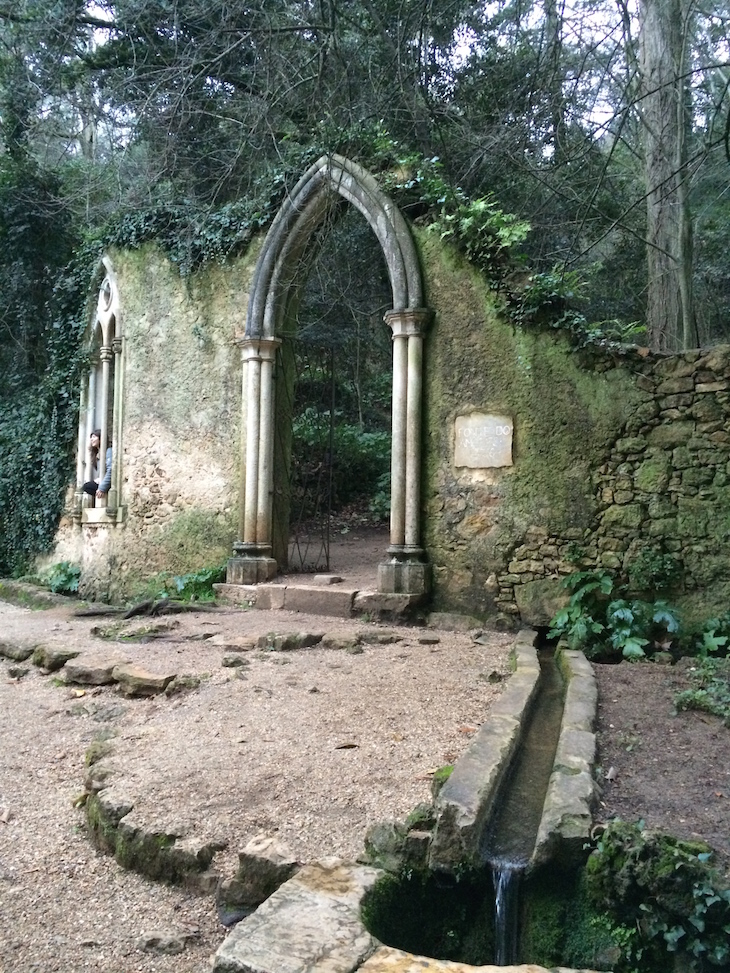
pixel 335 917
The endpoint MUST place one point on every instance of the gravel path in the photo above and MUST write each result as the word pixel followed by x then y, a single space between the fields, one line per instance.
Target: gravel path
pixel 311 746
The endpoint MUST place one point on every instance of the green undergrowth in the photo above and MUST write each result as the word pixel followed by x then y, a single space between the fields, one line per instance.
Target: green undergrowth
pixel 710 691
pixel 607 624
pixel 608 621
pixel 659 896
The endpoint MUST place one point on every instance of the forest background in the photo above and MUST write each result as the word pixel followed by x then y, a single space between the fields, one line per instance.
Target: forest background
pixel 577 151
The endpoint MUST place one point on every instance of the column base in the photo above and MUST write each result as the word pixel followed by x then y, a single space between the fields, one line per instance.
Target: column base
pixel 405 572
pixel 245 568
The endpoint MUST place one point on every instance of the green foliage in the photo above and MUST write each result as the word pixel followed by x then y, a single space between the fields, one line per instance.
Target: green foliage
pixel 484 233
pixel 714 637
pixel 611 628
pixel 42 302
pixel 198 585
pixel 63 578
pixel 547 300
pixel 360 459
pixel 653 570
pixel 379 505
pixel 711 692
pixel 661 896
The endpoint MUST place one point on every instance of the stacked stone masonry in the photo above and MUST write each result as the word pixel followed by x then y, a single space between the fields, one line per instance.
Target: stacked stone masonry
pixel 665 483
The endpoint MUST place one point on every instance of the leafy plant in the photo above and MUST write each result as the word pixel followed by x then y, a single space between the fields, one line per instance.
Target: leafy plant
pixel 714 637
pixel 483 232
pixel 63 578
pixel 549 299
pixel 665 891
pixel 711 692
pixel 198 585
pixel 653 570
pixel 615 628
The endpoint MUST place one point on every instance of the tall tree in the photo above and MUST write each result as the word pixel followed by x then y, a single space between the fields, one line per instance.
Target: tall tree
pixel 665 109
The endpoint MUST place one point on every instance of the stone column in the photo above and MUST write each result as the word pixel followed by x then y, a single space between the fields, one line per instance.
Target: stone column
pixel 82 445
pixel 252 561
pixel 114 495
pixel 106 355
pixel 405 570
pixel 88 501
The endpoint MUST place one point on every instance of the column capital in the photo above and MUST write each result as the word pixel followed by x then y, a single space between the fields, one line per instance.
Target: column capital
pixel 257 349
pixel 106 353
pixel 117 345
pixel 409 321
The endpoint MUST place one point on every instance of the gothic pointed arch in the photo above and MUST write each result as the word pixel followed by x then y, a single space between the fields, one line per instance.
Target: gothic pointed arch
pixel 273 293
pixel 100 404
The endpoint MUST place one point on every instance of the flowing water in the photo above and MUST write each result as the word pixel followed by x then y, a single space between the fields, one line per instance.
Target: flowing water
pixel 510 839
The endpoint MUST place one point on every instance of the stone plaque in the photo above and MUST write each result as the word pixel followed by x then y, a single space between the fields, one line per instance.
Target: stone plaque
pixel 482 441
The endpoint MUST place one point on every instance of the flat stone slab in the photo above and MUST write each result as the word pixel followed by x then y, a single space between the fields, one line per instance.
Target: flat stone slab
pixel 320 601
pixel 92 670
pixel 389 960
pixel 237 594
pixel 312 922
pixel 135 681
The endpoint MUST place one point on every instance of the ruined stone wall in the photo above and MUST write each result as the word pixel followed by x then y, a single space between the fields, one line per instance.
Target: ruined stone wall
pixel 181 425
pixel 612 454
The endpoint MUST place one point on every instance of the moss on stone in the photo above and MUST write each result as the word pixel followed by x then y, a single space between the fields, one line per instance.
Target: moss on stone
pixel 429 917
pixel 559 926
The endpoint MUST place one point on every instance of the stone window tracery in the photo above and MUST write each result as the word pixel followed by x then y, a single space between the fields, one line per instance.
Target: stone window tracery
pixel 101 407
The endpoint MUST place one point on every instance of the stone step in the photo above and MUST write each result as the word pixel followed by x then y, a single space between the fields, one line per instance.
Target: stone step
pixel 331 600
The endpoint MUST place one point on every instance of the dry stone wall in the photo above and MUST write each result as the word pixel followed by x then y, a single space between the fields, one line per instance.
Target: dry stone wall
pixel 614 453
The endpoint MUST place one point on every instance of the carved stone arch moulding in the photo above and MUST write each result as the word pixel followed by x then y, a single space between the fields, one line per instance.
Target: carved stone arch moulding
pixel 404 569
pixel 101 399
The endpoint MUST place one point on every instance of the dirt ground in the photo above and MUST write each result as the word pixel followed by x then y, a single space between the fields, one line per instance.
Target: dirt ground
pixel 311 747
pixel 670 769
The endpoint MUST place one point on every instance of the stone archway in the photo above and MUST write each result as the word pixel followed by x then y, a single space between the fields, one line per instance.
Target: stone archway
pixel 273 291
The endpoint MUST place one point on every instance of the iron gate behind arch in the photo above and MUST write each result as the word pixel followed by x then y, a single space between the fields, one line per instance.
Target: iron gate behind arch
pixel 311 468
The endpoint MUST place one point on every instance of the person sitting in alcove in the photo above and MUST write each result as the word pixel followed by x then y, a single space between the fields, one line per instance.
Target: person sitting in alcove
pixel 93 487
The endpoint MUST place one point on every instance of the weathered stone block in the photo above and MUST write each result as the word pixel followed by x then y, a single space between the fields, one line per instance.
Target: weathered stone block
pixel 310 922
pixel 16 652
pixel 539 600
pixel 135 681
pixel 675 384
pixel 652 476
pixel 263 866
pixel 671 434
pixel 92 670
pixel 628 517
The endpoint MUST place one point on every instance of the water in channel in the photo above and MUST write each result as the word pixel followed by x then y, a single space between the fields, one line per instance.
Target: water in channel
pixel 510 839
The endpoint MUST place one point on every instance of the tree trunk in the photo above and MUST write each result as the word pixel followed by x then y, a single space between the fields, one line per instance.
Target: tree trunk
pixel 663 107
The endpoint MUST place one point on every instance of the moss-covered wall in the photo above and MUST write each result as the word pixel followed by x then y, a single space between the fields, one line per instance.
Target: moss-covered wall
pixel 181 425
pixel 612 453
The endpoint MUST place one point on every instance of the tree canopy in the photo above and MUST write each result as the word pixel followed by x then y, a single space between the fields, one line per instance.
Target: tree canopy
pixel 603 124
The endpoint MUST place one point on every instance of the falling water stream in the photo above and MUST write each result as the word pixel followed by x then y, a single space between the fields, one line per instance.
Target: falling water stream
pixel 510 839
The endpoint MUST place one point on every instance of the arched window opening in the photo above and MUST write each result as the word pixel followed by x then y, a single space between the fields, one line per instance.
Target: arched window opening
pixel 100 411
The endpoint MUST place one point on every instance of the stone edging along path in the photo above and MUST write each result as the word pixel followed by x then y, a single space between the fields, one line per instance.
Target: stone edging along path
pixel 312 920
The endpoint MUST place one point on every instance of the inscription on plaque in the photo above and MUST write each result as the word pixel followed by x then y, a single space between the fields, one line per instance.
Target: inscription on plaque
pixel 482 441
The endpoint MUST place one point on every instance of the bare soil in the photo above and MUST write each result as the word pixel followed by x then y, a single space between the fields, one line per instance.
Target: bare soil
pixel 669 769
pixel 311 746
